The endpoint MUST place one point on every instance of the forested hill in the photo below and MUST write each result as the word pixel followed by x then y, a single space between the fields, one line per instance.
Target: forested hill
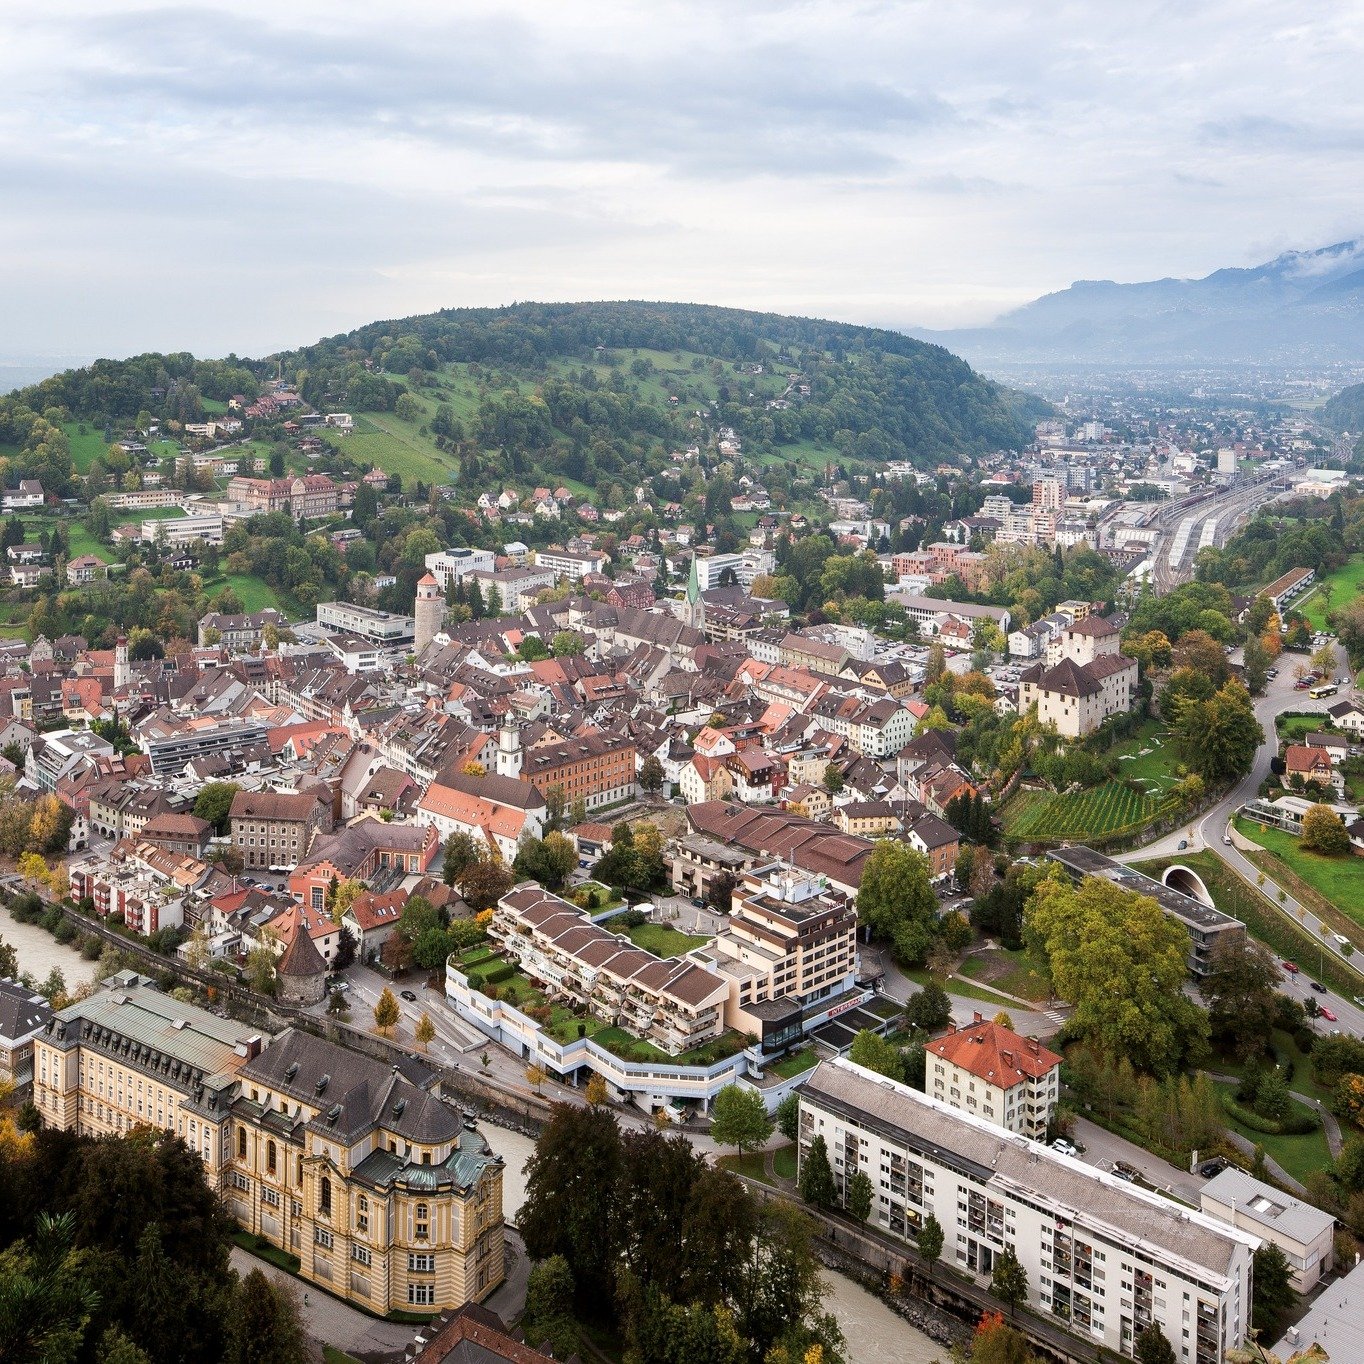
pixel 588 392
pixel 873 395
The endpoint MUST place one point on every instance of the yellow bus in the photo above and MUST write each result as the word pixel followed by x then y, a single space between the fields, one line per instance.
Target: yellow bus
pixel 1326 689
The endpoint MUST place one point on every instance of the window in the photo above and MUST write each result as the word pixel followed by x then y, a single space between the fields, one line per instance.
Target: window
pixel 422 1221
pixel 269 1197
pixel 270 1156
pixel 241 1143
pixel 323 1237
pixel 360 1254
pixel 239 1180
pixel 324 1197
pixel 421 1294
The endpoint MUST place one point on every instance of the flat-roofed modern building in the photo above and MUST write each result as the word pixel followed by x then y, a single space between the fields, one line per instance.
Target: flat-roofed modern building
pixel 378 627
pixel 1306 1235
pixel 1104 1259
pixel 1205 924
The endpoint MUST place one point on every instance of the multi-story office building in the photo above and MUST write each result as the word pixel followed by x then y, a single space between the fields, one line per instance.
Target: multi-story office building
pixel 567 563
pixel 378 627
pixel 991 1071
pixel 385 1195
pixel 185 530
pixel 1103 1258
pixel 172 746
pixel 275 828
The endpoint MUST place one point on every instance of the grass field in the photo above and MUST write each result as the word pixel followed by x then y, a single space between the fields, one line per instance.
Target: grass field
pixel 1016 973
pixel 1344 585
pixel 82 542
pixel 1294 728
pixel 1339 879
pixel 255 595
pixel 394 446
pixel 1298 1154
pixel 1149 757
pixel 663 940
pixel 87 444
pixel 1106 809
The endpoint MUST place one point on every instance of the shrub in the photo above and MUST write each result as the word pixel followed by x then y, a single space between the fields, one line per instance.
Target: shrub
pixel 628 919
pixel 1297 1122
pixel 91 946
pixel 65 931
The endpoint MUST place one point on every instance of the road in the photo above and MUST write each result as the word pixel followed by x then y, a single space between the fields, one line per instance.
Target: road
pixel 1209 830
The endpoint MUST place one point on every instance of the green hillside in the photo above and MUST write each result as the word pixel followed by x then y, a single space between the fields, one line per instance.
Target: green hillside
pixel 594 394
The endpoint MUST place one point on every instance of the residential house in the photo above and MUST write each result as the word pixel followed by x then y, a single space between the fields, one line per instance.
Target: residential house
pixel 990 1071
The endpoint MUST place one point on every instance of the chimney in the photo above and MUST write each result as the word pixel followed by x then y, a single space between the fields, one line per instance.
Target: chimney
pixel 979 1018
pixel 1034 1046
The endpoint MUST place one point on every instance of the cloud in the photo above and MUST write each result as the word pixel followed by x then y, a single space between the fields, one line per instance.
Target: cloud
pixel 256 176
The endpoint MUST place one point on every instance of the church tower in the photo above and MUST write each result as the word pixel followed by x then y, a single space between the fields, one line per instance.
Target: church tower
pixel 696 608
pixel 123 673
pixel 509 754
pixel 429 612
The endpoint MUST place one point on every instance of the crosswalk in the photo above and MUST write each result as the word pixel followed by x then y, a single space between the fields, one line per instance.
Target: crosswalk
pixel 1054 1016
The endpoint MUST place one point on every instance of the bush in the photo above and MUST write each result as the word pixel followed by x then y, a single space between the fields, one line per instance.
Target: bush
pixel 628 919
pixel 65 931
pixel 1298 1121
pixel 91 946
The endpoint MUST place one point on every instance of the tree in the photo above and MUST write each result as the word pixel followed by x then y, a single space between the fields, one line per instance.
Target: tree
pixel 1122 964
pixel 996 1342
pixel 1323 831
pixel 425 1031
pixel 873 1051
pixel 739 1118
pixel 387 1012
pixel 595 1091
pixel 485 882
pixel 462 850
pixel 860 1196
pixel 536 1076
pixel 46 1297
pixel 1152 1347
pixel 1241 989
pixel 930 1241
pixel 33 868
pixel 566 644
pixel 548 1318
pixel 1273 1293
pixel 571 1204
pixel 266 1325
pixel 214 804
pixel 550 860
pixel 346 948
pixel 896 902
pixel 788 1116
pixel 1198 651
pixel 651 774
pixel 1009 1282
pixel 929 1009
pixel 341 895
pixel 1256 665
pixel 116 1347
pixel 816 1182
pixel 260 971
pixel 1220 736
pixel 833 779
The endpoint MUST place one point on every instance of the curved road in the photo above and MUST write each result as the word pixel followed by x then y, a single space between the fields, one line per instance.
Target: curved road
pixel 1210 829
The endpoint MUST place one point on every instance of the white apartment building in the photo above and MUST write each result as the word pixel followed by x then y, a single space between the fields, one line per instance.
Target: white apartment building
pixel 567 563
pixel 710 568
pixel 1103 1258
pixel 1306 1235
pixel 450 565
pixel 991 1071
pixel 381 628
pixel 185 530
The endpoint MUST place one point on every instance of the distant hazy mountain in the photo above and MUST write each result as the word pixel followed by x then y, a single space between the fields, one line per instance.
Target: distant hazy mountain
pixel 1303 305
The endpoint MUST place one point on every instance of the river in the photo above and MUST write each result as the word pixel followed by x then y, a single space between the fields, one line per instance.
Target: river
pixel 39 952
pixel 875 1335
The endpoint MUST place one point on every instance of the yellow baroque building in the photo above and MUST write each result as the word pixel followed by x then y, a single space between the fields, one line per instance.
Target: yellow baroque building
pixel 386 1196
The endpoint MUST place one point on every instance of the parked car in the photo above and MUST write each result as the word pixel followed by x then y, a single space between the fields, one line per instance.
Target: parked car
pixel 1064 1147
pixel 1212 1167
pixel 409 996
pixel 1226 838
pixel 1183 843
pixel 1317 986
pixel 1342 940
pixel 1122 1170
pixel 336 983
pixel 1327 1014
pixel 1291 967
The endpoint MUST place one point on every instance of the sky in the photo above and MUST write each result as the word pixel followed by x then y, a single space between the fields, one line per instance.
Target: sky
pixel 189 177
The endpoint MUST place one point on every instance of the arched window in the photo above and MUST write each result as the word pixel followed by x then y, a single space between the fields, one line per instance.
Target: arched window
pixel 241 1143
pixel 324 1197
pixel 270 1156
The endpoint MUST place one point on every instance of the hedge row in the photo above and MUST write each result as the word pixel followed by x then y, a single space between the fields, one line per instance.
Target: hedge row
pixel 1298 1122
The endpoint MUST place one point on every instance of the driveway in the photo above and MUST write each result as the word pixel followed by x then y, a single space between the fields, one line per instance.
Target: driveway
pixel 1102 1148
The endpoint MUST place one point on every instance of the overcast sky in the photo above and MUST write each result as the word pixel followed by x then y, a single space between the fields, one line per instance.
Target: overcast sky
pixel 253 177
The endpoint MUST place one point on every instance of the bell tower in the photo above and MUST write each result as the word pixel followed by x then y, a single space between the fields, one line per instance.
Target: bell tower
pixel 429 612
pixel 509 755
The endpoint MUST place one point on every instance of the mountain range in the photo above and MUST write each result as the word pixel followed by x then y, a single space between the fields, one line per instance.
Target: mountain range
pixel 1302 306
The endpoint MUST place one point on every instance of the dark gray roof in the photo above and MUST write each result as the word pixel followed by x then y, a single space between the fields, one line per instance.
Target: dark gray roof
pixel 370 1093
pixel 21 1011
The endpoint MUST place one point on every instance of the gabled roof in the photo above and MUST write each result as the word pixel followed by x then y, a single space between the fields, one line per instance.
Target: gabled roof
pixel 995 1054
